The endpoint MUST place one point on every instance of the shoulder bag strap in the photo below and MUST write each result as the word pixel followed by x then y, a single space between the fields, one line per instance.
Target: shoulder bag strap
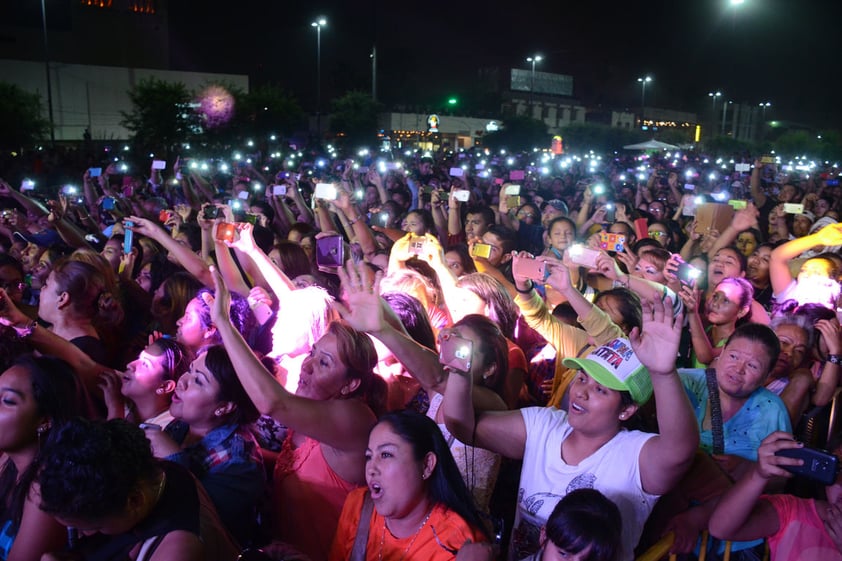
pixel 148 548
pixel 715 412
pixel 358 551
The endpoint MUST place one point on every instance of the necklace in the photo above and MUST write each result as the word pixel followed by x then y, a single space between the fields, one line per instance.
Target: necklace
pixel 411 543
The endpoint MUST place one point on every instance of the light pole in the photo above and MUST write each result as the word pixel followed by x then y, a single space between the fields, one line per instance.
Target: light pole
pixel 643 81
pixel 764 105
pixel 713 96
pixel 533 60
pixel 47 66
pixel 318 24
pixel 725 105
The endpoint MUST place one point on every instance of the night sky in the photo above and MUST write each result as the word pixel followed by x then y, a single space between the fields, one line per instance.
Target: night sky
pixel 782 51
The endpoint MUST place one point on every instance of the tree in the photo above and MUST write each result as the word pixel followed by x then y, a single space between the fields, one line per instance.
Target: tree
pixel 269 109
pixel 519 133
pixel 161 117
pixel 581 137
pixel 354 117
pixel 20 113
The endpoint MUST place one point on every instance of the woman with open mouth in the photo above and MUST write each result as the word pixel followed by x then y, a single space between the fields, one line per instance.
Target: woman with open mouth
pixel 415 505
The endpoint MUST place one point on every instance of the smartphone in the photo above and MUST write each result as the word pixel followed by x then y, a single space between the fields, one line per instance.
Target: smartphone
pixel 279 190
pixel 611 242
pixel 462 195
pixel 481 250
pixel 128 236
pixel 767 159
pixel 243 195
pixel 417 245
pixel 362 169
pixel 689 187
pixel 457 172
pixel 326 191
pixel 225 232
pixel 392 166
pixel 513 201
pixel 108 203
pixel 530 268
pixel 512 190
pixel 261 311
pixel 819 465
pixel 210 212
pixel 581 255
pixel 330 252
pixel 163 216
pixel 610 212
pixel 95 172
pixel 517 175
pixel 456 353
pixel 832 182
pixel 793 208
pixel 159 164
pixel 149 426
pixel 251 218
pixel 737 204
pixel 687 274
pixel 598 190
pixel 742 168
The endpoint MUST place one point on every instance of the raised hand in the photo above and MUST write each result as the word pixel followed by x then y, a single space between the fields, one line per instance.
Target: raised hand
pixel 220 301
pixel 606 266
pixel 768 464
pixel 110 382
pixel 656 345
pixel 746 218
pixel 245 240
pixel 362 307
pixel 559 277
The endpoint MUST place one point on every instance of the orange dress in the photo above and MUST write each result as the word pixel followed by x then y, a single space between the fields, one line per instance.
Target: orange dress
pixel 452 531
pixel 308 498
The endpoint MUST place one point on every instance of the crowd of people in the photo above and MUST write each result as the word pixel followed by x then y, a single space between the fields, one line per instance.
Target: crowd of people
pixel 410 355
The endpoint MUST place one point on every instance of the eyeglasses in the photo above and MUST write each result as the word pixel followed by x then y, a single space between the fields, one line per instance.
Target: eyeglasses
pixel 13 286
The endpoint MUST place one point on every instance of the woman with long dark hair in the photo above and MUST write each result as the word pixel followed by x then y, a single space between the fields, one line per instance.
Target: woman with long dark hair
pixel 36 398
pixel 420 507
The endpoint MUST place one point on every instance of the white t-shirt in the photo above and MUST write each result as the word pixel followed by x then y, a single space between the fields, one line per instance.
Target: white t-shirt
pixel 614 470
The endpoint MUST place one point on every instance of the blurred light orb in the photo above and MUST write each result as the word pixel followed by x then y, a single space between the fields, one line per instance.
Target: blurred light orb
pixel 216 104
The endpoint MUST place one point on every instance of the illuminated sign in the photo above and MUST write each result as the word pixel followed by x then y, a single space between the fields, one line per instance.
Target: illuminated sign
pixel 433 123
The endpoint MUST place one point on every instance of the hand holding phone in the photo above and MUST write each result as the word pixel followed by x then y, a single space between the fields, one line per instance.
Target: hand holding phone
pixel 330 252
pixel 482 250
pixel 529 268
pixel 456 353
pixel 583 256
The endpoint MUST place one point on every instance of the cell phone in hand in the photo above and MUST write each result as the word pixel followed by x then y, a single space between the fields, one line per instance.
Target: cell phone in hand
pixel 583 256
pixel 530 268
pixel 462 195
pixel 513 201
pixel 793 208
pixel 481 250
pixel 128 236
pixel 512 190
pixel 330 252
pixel 611 242
pixel 456 353
pixel 326 191
pixel 610 212
pixel 417 245
pixel 159 164
pixel 687 274
pixel 108 203
pixel 225 232
pixel 210 212
pixel 95 172
pixel 457 172
pixel 819 465
pixel 279 190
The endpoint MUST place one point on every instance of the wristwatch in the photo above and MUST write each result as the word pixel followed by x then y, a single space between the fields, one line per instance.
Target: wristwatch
pixel 834 359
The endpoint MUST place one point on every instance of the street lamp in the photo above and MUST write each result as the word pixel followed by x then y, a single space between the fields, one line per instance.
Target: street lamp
pixel 643 81
pixel 318 24
pixel 533 60
pixel 764 105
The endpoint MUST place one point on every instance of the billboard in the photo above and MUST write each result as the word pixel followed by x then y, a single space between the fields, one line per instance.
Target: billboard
pixel 545 82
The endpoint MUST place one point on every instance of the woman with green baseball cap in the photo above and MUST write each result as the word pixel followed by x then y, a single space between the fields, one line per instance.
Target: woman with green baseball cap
pixel 587 445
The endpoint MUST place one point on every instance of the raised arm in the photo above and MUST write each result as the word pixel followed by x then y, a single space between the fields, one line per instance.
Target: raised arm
pixel 779 273
pixel 341 424
pixel 756 192
pixel 189 260
pixel 665 457
pixel 741 515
